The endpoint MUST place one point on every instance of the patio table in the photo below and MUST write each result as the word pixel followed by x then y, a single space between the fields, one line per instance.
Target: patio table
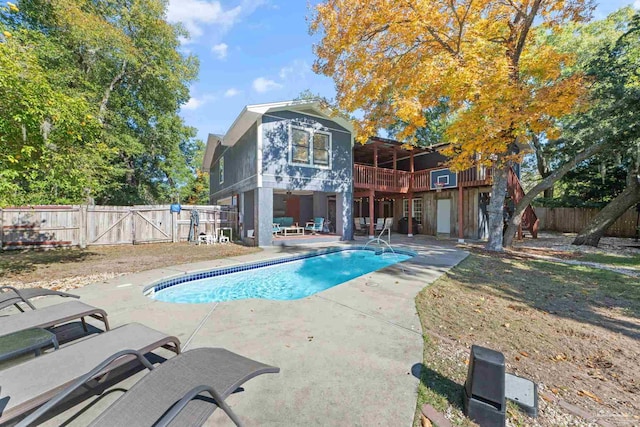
pixel 293 230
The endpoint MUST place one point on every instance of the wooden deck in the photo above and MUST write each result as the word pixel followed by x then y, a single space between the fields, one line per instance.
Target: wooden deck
pixel 401 182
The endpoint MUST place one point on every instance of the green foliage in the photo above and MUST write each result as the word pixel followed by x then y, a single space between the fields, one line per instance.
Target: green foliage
pixel 608 52
pixel 437 119
pixel 96 88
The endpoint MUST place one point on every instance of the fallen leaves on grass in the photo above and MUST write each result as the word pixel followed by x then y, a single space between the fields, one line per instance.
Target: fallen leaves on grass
pixel 590 395
pixel 426 422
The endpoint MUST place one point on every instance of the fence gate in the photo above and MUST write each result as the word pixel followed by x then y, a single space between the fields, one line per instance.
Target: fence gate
pixel 151 225
pixel 109 225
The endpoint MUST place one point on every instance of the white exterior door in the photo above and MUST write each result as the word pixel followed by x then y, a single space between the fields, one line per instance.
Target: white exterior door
pixel 444 216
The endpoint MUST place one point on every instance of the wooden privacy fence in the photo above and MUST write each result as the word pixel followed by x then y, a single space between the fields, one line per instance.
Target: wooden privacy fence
pixel 573 220
pixel 54 226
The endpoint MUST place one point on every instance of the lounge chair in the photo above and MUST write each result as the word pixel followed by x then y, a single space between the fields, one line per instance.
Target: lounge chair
pixel 11 296
pixel 174 392
pixel 275 228
pixel 315 226
pixel 30 384
pixel 51 316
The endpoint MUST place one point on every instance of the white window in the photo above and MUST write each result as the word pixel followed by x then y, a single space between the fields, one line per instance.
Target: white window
pixel 416 209
pixel 221 166
pixel 310 147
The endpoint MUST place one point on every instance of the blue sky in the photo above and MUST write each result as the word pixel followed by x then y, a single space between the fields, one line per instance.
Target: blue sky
pixel 255 51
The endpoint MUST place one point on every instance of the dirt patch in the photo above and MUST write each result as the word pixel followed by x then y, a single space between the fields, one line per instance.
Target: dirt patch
pixel 572 329
pixel 561 242
pixel 73 268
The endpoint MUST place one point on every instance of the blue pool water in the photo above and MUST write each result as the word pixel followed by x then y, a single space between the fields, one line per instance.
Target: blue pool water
pixel 286 281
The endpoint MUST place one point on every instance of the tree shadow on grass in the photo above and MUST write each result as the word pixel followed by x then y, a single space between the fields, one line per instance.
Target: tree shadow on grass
pixel 439 384
pixel 21 262
pixel 574 292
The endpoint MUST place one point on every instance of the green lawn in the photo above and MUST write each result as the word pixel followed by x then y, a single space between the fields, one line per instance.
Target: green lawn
pixel 572 328
pixel 630 261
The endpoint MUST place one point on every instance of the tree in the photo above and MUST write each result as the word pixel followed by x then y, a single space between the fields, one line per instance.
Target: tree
pixel 46 135
pixel 587 41
pixel 622 80
pixel 609 122
pixel 120 59
pixel 395 60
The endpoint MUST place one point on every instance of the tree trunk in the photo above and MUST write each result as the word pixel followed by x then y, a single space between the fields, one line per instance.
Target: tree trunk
pixel 546 183
pixel 592 233
pixel 542 163
pixel 495 208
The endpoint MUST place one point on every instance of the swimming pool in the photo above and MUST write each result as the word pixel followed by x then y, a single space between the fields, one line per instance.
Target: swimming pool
pixel 281 279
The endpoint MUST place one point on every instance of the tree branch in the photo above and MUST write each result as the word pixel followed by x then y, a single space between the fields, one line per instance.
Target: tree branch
pixel 516 218
pixel 109 90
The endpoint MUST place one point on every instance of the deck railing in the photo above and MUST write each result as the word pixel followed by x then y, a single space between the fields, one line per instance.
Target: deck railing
pixel 476 176
pixel 397 181
pixel 381 179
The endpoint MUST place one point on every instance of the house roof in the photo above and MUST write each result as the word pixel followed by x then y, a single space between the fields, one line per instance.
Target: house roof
pixel 250 114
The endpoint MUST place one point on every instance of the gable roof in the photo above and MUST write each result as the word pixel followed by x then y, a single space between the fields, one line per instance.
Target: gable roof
pixel 250 114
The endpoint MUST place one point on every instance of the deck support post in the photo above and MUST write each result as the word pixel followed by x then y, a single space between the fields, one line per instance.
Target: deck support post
pixel 375 165
pixel 371 213
pixel 396 183
pixel 410 210
pixel 460 212
pixel 412 170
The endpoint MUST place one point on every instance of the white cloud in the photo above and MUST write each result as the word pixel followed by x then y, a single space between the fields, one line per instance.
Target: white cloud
pixel 297 69
pixel 262 85
pixel 220 50
pixel 231 92
pixel 195 14
pixel 196 102
pixel 193 104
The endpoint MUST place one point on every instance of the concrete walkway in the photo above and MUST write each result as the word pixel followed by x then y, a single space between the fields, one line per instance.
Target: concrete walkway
pixel 345 354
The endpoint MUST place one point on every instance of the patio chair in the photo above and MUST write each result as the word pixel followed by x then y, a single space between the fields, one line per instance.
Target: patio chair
pixel 12 296
pixel 51 316
pixel 174 392
pixel 315 226
pixel 208 239
pixel 36 381
pixel 222 238
pixel 386 228
pixel 379 224
pixel 276 228
pixel 359 226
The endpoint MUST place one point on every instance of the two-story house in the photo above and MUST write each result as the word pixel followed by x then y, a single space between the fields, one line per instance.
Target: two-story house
pixel 296 160
pixel 285 159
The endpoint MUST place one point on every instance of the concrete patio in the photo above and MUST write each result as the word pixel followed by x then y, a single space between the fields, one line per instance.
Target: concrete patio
pixel 345 354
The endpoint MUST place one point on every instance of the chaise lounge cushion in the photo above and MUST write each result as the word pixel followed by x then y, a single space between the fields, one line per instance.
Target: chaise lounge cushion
pixel 52 315
pixel 283 221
